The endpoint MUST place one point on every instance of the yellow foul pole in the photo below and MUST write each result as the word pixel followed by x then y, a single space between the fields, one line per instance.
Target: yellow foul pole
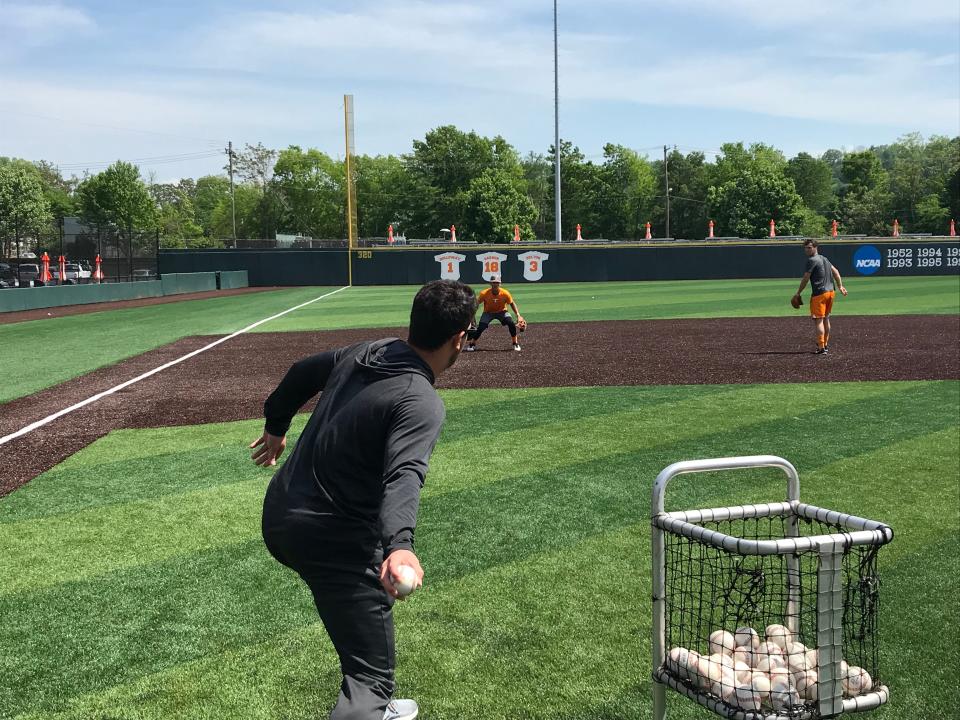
pixel 351 189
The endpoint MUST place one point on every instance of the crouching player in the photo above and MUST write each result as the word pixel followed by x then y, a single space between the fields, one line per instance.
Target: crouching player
pixel 495 300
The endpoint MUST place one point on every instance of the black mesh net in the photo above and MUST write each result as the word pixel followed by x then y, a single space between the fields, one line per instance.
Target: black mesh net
pixel 711 593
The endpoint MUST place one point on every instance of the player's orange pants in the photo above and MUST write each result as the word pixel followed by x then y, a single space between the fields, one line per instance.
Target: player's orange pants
pixel 821 305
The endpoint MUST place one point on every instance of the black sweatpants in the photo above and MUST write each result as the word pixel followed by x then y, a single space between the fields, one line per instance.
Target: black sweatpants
pixel 355 609
pixel 486 318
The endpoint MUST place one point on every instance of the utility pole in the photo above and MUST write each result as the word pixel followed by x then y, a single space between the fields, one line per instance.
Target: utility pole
pixel 666 187
pixel 556 126
pixel 233 204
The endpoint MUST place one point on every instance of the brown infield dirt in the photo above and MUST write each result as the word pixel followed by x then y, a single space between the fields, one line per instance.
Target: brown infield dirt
pixel 231 381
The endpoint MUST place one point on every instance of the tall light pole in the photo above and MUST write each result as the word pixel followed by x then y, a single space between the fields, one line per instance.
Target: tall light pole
pixel 556 127
pixel 233 206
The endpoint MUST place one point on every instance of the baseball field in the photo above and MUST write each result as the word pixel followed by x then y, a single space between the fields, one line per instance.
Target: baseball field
pixel 134 583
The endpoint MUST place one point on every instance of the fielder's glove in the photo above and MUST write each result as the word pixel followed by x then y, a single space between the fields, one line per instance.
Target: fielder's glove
pixel 521 324
pixel 796 301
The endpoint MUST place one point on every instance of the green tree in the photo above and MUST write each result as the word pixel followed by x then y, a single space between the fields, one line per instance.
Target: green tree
pixel 24 208
pixel 813 180
pixel 385 195
pixel 628 193
pixel 865 202
pixel 254 164
pixel 538 175
pixel 209 192
pixel 494 203
pixel 249 200
pixel 689 181
pixel 443 165
pixel 581 193
pixel 175 215
pixel 750 188
pixel 309 189
pixel 118 197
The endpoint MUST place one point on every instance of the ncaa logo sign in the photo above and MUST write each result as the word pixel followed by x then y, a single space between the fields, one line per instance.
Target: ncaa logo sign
pixel 866 260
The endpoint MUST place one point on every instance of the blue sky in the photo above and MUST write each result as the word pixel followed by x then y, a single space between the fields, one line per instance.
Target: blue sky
pixel 86 82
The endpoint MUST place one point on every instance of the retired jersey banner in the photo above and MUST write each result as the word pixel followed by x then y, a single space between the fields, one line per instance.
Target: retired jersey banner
pixel 450 265
pixel 533 264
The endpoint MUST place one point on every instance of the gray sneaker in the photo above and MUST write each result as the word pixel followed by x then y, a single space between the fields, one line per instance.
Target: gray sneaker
pixel 401 710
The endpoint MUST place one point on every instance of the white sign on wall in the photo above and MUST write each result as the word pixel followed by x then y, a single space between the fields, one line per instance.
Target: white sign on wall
pixel 492 264
pixel 533 264
pixel 449 265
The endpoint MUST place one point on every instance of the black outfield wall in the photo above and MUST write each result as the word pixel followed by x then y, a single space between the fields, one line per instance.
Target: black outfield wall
pixel 554 263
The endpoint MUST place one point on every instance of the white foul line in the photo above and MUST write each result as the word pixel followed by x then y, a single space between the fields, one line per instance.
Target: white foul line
pixel 50 418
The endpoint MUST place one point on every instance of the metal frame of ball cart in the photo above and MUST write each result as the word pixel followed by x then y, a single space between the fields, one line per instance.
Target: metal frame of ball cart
pixel 830 700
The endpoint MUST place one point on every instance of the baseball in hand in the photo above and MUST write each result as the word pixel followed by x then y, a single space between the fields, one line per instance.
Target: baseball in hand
pixel 405 580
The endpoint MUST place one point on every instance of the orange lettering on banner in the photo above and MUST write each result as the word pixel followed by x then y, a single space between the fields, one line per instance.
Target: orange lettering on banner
pixel 533 266
pixel 449 267
pixel 491 266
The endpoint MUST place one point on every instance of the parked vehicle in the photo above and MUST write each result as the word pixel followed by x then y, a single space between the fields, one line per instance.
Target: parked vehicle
pixel 71 274
pixel 8 278
pixel 144 275
pixel 85 271
pixel 27 272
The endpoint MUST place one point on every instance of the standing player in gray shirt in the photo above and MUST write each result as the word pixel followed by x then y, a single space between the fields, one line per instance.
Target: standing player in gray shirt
pixel 821 274
pixel 342 511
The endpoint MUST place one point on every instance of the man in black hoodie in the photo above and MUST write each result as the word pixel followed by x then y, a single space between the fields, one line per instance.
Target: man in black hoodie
pixel 342 510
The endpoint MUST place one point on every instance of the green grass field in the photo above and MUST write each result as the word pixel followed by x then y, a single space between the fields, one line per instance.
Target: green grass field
pixel 43 353
pixel 135 585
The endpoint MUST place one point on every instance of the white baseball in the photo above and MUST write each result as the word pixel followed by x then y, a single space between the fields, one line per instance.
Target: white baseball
pixel 744 655
pixel 857 681
pixel 782 699
pixel 797 657
pixel 779 635
pixel 769 663
pixel 767 649
pixel 677 660
pixel 721 659
pixel 746 698
pixel 722 642
pixel 746 637
pixel 742 671
pixel 405 580
pixel 761 685
pixel 724 691
pixel 805 682
pixel 781 678
pixel 812 658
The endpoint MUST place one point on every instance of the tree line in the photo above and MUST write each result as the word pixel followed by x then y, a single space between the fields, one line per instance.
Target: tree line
pixel 485 187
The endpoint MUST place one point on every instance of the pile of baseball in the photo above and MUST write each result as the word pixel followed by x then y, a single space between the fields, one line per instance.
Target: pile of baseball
pixel 751 673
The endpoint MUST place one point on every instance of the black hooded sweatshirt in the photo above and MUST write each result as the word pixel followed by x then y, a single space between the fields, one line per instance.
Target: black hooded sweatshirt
pixel 358 467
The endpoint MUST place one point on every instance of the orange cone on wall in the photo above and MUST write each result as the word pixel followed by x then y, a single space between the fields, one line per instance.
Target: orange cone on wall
pixel 516 233
pixel 896 228
pixel 648 235
pixel 453 233
pixel 953 228
pixel 98 271
pixel 833 229
pixel 710 235
pixel 773 228
pixel 578 232
pixel 45 275
pixel 390 234
pixel 62 266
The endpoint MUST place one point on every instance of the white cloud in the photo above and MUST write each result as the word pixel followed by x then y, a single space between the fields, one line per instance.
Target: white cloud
pixel 41 18
pixel 825 16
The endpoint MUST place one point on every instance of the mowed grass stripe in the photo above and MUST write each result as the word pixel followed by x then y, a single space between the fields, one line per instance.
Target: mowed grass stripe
pixel 42 353
pixel 74 345
pixel 558 634
pixel 101 474
pixel 44 551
